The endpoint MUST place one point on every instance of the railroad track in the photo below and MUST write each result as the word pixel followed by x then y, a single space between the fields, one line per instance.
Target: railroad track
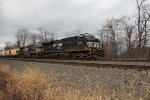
pixel 120 64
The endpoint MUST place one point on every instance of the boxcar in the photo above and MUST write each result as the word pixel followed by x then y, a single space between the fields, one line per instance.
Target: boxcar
pixel 3 53
pixel 14 52
pixel 10 52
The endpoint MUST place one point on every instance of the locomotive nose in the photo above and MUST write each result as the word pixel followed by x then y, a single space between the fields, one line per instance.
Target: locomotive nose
pixel 96 45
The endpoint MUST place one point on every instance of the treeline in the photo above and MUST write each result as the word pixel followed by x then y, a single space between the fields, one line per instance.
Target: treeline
pixel 24 37
pixel 128 37
pixel 124 38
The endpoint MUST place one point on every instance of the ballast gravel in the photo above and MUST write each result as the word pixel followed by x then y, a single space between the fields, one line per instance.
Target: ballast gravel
pixel 111 82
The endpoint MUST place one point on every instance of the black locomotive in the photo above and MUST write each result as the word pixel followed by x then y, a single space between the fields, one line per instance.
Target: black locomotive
pixel 85 46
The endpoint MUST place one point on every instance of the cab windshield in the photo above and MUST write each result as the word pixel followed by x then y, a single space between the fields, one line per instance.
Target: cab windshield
pixel 90 37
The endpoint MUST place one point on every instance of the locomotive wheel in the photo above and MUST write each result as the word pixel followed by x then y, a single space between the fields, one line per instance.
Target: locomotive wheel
pixel 44 56
pixel 93 58
pixel 84 57
pixel 33 56
pixel 74 57
pixel 36 56
pixel 81 57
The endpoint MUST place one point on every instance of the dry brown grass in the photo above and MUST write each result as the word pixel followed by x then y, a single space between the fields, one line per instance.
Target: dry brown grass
pixel 33 84
pixel 4 76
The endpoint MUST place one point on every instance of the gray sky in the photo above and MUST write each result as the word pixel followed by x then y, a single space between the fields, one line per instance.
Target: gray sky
pixel 59 15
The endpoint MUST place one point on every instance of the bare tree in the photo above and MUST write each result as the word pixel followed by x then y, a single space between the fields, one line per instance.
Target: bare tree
pixel 130 38
pixel 51 36
pixel 8 45
pixel 111 32
pixel 41 35
pixel 33 37
pixel 140 21
pixel 14 45
pixel 77 31
pixel 22 36
pixel 146 21
pixel 45 36
pixel 73 32
pixel 68 33
pixel 143 29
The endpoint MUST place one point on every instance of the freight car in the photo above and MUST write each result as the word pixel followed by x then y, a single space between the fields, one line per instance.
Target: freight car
pixel 3 53
pixel 12 52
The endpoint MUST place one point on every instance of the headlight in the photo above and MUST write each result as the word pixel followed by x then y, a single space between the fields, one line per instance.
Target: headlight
pixel 90 44
pixel 95 44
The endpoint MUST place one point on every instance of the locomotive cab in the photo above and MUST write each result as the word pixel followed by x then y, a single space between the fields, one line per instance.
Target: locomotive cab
pixel 93 45
pixel 93 42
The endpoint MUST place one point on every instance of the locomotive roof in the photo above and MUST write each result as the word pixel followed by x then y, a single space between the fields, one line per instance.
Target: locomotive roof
pixel 68 38
pixel 47 42
pixel 32 46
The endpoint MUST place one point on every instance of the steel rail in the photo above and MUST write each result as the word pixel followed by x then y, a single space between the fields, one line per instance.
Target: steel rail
pixel 96 64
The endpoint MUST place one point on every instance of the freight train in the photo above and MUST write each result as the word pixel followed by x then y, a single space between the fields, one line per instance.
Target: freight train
pixel 84 46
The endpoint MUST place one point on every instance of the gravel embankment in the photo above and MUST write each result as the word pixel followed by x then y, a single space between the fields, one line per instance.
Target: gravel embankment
pixel 115 83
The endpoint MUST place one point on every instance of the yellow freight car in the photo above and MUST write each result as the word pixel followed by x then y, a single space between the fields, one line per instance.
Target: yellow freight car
pixel 10 52
pixel 3 53
pixel 14 51
pixel 7 52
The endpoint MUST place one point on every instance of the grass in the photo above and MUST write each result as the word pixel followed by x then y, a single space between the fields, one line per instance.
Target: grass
pixel 33 84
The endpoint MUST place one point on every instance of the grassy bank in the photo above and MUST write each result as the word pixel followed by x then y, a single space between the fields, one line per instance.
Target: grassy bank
pixel 33 84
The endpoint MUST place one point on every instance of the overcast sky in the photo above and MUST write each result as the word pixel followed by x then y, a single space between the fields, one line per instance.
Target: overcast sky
pixel 59 15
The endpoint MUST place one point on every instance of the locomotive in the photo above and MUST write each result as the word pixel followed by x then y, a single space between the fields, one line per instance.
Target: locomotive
pixel 84 46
